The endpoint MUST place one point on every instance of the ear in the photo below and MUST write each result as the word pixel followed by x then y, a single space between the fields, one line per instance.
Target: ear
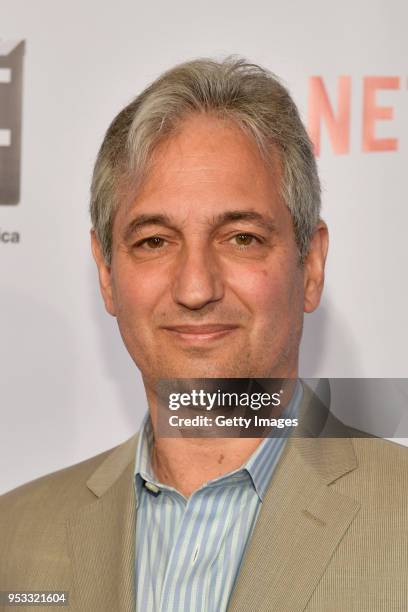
pixel 104 271
pixel 314 267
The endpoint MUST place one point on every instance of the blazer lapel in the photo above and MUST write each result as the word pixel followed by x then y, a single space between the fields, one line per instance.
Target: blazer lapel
pixel 301 522
pixel 102 538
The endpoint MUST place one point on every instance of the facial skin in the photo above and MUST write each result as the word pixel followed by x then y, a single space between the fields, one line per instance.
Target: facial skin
pixel 205 278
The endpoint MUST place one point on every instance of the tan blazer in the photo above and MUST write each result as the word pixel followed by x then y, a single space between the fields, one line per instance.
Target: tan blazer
pixel 332 535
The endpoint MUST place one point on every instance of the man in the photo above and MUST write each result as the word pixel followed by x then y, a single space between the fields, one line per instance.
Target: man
pixel 209 247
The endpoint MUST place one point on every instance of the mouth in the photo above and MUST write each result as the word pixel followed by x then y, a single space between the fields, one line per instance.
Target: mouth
pixel 194 334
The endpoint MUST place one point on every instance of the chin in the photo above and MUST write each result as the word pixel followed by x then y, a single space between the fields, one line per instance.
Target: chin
pixel 213 368
pixel 199 363
pixel 191 368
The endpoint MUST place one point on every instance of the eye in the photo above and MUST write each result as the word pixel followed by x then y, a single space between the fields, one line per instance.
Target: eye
pixel 154 242
pixel 243 240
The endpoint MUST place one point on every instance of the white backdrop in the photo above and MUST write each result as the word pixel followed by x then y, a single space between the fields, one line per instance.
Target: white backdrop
pixel 68 388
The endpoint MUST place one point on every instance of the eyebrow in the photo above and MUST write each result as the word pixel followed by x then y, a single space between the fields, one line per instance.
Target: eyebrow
pixel 145 219
pixel 245 215
pixel 223 218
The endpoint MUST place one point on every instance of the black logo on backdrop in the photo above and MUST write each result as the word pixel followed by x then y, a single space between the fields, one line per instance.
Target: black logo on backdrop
pixel 11 89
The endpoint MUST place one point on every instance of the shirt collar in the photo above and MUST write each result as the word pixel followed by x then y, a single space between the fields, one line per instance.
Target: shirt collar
pixel 260 465
pixel 143 464
pixel 264 459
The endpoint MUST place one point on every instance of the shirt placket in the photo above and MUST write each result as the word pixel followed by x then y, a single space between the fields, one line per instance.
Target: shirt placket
pixel 185 550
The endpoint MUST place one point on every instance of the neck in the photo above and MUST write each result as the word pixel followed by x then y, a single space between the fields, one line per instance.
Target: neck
pixel 186 464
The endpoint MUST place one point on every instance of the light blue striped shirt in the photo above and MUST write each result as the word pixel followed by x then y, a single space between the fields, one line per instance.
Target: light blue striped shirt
pixel 188 551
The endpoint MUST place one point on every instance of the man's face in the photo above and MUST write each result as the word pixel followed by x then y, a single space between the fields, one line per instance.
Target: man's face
pixel 205 278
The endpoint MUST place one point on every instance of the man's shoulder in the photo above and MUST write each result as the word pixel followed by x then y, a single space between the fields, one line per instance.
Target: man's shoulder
pixel 60 492
pixel 381 456
pixel 384 457
pixel 372 453
pixel 381 477
pixel 35 516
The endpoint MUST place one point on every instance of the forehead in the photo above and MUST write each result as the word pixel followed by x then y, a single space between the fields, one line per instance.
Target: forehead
pixel 207 165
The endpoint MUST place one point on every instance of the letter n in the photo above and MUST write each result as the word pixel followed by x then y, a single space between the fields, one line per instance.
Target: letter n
pixel 320 109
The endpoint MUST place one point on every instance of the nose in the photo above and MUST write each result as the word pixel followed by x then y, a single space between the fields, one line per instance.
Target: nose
pixel 198 279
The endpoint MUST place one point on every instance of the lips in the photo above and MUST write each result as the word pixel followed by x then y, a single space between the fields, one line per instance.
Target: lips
pixel 201 332
pixel 200 329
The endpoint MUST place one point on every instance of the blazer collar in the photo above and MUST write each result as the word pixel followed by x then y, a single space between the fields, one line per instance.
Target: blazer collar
pixel 113 466
pixel 302 518
pixel 101 537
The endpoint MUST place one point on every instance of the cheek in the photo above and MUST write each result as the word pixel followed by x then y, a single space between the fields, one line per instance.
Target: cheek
pixel 135 294
pixel 265 291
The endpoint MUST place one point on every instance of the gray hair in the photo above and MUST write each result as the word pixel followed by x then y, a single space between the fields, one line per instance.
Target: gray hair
pixel 248 94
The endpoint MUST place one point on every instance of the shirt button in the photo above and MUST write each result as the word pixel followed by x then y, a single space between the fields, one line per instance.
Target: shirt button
pixel 152 488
